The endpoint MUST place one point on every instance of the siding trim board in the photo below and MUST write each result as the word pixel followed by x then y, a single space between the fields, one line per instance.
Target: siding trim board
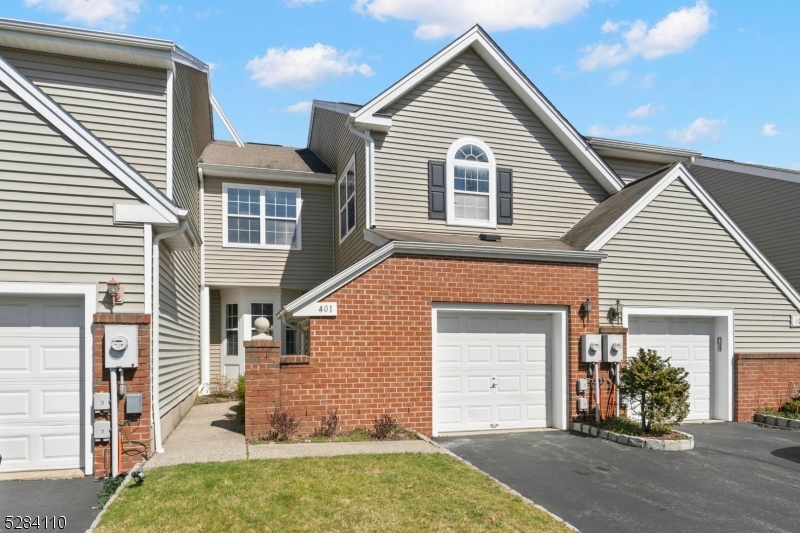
pixel 679 171
pixel 33 96
pixel 368 117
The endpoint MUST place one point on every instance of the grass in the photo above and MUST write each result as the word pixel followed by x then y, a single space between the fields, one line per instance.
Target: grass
pixel 396 492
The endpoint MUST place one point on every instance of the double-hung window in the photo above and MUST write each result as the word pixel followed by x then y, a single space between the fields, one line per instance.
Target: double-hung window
pixel 232 329
pixel 261 217
pixel 471 184
pixel 258 310
pixel 347 200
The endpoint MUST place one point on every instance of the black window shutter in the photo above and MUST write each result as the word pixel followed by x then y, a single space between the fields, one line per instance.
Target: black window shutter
pixel 436 190
pixel 505 196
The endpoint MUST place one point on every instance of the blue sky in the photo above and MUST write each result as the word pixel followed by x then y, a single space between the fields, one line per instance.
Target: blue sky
pixel 720 77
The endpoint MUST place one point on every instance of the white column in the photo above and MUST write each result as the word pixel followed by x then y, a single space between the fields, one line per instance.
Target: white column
pixel 205 340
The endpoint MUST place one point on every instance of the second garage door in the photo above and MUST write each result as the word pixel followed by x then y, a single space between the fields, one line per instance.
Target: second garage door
pixel 688 344
pixel 491 371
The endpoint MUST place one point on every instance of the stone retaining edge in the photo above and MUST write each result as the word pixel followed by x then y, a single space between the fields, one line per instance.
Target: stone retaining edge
pixel 502 485
pixel 637 442
pixel 776 421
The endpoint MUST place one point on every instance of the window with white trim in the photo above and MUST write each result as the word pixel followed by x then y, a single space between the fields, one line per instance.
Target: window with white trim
pixel 261 216
pixel 232 329
pixel 471 189
pixel 347 200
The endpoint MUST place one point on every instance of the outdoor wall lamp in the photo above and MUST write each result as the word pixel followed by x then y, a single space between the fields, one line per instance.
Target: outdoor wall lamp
pixel 115 291
pixel 615 313
pixel 586 308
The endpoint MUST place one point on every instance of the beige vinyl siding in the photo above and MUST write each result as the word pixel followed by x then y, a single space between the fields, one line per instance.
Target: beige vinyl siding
pixel 295 269
pixel 631 170
pixel 124 106
pixel 179 342
pixel 56 212
pixel 767 210
pixel 335 144
pixel 552 191
pixel 215 332
pixel 675 254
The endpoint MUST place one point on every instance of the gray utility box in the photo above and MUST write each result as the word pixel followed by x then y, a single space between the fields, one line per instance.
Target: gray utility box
pixel 612 348
pixel 591 348
pixel 122 347
pixel 102 401
pixel 133 403
pixel 102 430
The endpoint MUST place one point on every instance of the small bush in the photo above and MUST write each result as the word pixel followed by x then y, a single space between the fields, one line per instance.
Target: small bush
pixel 284 424
pixel 220 386
pixel 110 486
pixel 240 388
pixel 658 392
pixel 384 426
pixel 791 409
pixel 329 425
pixel 622 425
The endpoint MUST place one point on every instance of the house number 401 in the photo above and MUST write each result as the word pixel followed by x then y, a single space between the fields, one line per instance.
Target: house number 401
pixel 796 321
pixel 318 309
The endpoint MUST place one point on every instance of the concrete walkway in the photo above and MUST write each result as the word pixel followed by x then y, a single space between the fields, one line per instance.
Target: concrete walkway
pixel 210 433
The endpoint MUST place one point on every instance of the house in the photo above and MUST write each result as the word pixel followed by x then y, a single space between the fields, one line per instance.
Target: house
pixel 436 253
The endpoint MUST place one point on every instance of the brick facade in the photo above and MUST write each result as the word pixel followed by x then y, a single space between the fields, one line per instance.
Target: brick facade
pixel 376 355
pixel 136 437
pixel 762 380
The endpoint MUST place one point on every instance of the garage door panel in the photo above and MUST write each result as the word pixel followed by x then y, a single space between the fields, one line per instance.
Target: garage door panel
pixel 14 359
pixel 510 354
pixel 509 384
pixel 479 355
pixel 14 405
pixel 449 384
pixel 479 415
pixel 56 446
pixel 448 355
pixel 64 404
pixel 478 385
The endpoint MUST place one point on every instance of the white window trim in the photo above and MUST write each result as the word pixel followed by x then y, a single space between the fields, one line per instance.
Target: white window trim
pixel 450 186
pixel 262 217
pixel 351 163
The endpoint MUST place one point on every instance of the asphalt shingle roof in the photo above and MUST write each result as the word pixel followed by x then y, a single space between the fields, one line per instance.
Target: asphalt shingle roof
pixel 263 156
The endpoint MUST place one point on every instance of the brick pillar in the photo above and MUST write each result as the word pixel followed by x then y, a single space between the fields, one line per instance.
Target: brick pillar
pixel 262 386
pixel 136 434
pixel 763 380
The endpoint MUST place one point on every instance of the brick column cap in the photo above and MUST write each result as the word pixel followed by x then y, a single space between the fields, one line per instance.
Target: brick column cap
pixel 262 344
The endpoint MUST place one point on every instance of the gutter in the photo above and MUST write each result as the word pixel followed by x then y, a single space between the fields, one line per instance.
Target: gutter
pixel 369 165
pixel 155 334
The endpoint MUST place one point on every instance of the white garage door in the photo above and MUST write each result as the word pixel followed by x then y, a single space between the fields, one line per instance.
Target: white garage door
pixel 491 371
pixel 41 380
pixel 688 344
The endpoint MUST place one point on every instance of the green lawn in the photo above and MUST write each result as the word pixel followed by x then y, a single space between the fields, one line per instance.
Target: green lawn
pixel 398 492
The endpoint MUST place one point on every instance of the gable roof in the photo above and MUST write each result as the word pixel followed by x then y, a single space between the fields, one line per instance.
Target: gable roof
pixel 269 156
pixel 62 121
pixel 659 181
pixel 369 116
pixel 602 218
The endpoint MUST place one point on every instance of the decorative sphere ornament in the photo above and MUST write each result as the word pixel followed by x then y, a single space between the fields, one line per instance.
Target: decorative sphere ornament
pixel 263 328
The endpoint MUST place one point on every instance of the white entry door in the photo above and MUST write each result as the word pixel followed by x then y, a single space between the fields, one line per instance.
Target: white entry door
pixel 688 344
pixel 41 383
pixel 491 371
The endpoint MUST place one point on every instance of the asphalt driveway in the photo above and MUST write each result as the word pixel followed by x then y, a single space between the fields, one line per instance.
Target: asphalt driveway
pixel 739 478
pixel 70 498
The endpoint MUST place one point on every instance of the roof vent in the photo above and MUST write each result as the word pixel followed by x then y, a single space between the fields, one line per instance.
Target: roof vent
pixel 491 237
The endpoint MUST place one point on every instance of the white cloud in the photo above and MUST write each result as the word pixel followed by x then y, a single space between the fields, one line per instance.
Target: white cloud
pixel 304 67
pixel 562 72
pixel 610 27
pixel 676 33
pixel 299 107
pixel 618 77
pixel 625 130
pixel 647 81
pixel 702 128
pixel 440 18
pixel 645 111
pixel 104 13
pixel 769 130
pixel 297 3
pixel 795 166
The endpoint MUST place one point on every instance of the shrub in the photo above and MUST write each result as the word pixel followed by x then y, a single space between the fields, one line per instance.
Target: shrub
pixel 384 426
pixel 284 424
pixel 658 392
pixel 791 409
pixel 622 425
pixel 329 424
pixel 220 386
pixel 240 388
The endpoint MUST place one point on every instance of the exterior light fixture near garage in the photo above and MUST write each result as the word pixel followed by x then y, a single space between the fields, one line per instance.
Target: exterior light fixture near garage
pixel 615 313
pixel 115 291
pixel 586 308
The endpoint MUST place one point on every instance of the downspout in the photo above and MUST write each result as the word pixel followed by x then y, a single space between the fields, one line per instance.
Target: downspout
pixel 369 165
pixel 155 320
pixel 205 356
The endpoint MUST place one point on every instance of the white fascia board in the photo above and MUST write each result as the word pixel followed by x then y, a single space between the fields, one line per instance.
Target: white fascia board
pixel 225 121
pixel 337 107
pixel 741 238
pixel 184 58
pixel 85 140
pixel 449 250
pixel 517 81
pixel 266 174
pixel 373 122
pixel 137 214
pixel 731 166
pixel 632 211
pixel 647 152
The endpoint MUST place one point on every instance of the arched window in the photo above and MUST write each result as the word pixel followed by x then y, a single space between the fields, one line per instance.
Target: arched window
pixel 471 185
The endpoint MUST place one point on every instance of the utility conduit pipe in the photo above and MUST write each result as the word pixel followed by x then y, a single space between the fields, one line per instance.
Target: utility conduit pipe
pixel 155 336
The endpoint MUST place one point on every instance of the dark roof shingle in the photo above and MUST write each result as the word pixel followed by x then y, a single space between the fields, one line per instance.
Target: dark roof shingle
pixel 263 156
pixel 506 242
